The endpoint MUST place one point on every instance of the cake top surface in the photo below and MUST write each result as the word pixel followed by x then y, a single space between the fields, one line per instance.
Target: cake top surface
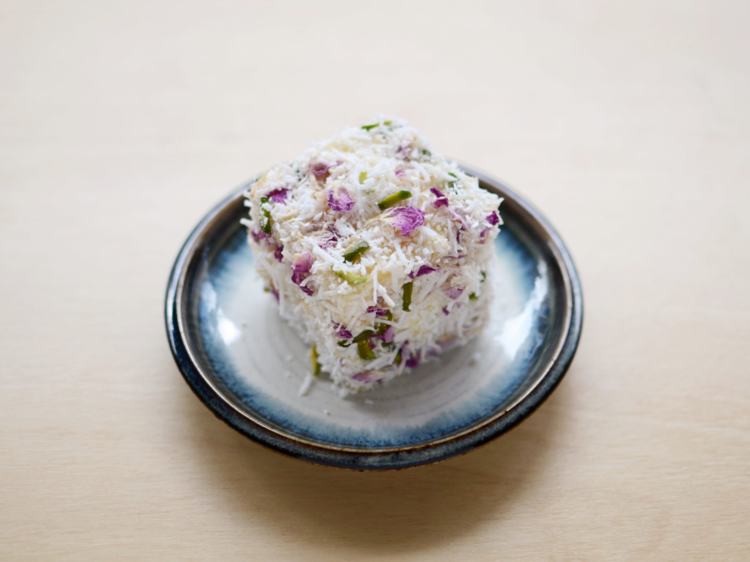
pixel 361 212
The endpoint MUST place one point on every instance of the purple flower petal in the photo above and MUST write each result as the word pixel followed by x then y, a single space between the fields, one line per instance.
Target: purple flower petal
pixel 388 335
pixel 278 195
pixel 456 216
pixel 379 312
pixel 454 292
pixel 319 169
pixel 400 173
pixel 424 270
pixel 302 263
pixel 442 200
pixel 328 240
pixel 258 236
pixel 342 332
pixel 413 361
pixel 494 218
pixel 300 268
pixel 339 200
pixel 483 233
pixel 366 376
pixel 446 311
pixel 406 219
pixel 277 253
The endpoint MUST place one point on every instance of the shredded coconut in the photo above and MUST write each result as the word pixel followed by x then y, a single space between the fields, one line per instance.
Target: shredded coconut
pixel 371 217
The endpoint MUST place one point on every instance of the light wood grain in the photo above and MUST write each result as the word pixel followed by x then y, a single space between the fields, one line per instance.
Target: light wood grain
pixel 628 124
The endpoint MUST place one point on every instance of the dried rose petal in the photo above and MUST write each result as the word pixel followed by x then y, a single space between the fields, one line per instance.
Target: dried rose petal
pixel 258 236
pixel 278 195
pixel 275 293
pixel 388 335
pixel 454 292
pixel 302 263
pixel 379 312
pixel 483 233
pixel 406 219
pixel 413 361
pixel 339 200
pixel 404 151
pixel 300 267
pixel 342 332
pixel 328 240
pixel 456 216
pixel 494 218
pixel 319 169
pixel 442 200
pixel 366 376
pixel 446 311
pixel 400 173
pixel 424 270
pixel 277 253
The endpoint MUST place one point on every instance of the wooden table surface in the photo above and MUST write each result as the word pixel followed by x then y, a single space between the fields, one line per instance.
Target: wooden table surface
pixel 627 124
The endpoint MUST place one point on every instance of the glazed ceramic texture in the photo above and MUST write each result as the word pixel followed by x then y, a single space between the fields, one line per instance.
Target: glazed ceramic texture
pixel 250 368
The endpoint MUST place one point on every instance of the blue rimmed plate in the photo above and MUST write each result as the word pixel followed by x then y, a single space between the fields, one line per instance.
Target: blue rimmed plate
pixel 249 367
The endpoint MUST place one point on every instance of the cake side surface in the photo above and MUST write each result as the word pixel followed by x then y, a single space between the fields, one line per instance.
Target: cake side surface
pixel 377 250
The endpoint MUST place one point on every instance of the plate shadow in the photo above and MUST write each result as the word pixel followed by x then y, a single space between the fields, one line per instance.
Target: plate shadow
pixel 375 512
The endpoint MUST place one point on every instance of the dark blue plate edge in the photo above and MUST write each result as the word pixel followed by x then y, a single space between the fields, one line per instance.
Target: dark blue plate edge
pixel 405 457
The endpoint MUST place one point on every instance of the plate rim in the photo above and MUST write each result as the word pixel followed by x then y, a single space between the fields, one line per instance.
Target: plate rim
pixel 482 432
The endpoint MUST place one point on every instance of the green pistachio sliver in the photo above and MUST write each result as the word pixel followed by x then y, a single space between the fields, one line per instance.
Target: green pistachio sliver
pixel 368 127
pixel 484 277
pixel 427 153
pixel 397 361
pixel 350 278
pixel 362 177
pixel 362 336
pixel 473 297
pixel 364 351
pixel 388 315
pixel 344 343
pixel 381 328
pixel 391 200
pixel 314 359
pixel 265 223
pixel 452 174
pixel 408 288
pixel 356 251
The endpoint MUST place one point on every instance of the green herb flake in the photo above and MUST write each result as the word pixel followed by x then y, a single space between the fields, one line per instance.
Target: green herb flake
pixel 372 126
pixel 364 351
pixel 427 153
pixel 314 359
pixel 265 223
pixel 362 177
pixel 397 361
pixel 453 175
pixel 408 288
pixel 484 277
pixel 473 297
pixel 350 278
pixel 391 200
pixel 358 249
pixel 363 335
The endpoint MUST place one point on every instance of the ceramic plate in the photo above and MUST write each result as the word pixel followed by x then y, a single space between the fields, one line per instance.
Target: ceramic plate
pixel 249 367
